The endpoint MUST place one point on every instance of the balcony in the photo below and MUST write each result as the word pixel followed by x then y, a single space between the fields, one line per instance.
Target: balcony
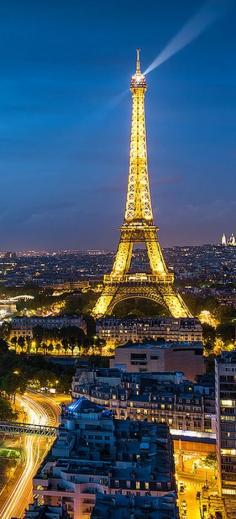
pixel 139 278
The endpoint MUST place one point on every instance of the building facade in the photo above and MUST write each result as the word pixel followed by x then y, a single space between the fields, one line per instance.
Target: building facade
pixel 225 381
pixel 155 397
pixel 117 331
pixel 161 356
pixel 23 326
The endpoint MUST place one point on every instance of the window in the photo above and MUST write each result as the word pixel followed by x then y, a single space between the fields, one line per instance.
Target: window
pixel 138 356
pixel 231 452
pixel 228 403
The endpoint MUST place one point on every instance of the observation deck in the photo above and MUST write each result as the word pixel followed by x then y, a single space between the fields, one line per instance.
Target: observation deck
pixel 139 279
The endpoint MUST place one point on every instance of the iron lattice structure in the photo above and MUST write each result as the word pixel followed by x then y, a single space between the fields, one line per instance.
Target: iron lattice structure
pixel 138 227
pixel 31 429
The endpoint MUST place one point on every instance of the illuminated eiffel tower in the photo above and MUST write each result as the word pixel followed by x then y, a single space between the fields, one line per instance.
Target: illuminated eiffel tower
pixel 138 227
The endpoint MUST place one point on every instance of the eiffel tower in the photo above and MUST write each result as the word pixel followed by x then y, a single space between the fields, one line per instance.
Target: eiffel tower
pixel 138 227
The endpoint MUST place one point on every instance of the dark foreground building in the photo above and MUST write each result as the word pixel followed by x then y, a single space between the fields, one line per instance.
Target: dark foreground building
pixel 95 453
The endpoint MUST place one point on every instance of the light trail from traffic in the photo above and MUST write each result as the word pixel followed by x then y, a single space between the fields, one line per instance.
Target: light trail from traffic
pixel 43 411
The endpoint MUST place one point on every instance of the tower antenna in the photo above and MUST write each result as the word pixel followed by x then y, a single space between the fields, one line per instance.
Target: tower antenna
pixel 138 68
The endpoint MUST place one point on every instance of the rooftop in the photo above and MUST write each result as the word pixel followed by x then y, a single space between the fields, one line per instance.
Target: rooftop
pixel 125 507
pixel 83 405
pixel 162 345
pixel 227 357
pixel 45 512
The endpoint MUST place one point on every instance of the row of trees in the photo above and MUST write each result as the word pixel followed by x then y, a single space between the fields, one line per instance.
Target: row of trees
pixel 66 340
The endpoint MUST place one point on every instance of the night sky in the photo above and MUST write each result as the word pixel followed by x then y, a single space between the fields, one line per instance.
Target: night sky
pixel 65 68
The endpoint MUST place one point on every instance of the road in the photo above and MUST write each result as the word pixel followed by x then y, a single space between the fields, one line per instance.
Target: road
pixel 39 410
pixel 189 496
pixel 193 481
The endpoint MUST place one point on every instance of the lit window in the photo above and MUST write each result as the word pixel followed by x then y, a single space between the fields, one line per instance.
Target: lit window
pixel 227 403
pixel 231 452
pixel 137 485
pixel 228 491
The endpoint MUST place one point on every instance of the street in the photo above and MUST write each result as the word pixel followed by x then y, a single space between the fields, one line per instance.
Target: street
pixel 38 409
pixel 192 480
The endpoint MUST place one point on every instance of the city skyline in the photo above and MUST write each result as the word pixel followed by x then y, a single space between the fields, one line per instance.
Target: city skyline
pixel 66 120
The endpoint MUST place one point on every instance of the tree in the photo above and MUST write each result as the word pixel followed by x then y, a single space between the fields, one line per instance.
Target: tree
pixel 3 346
pixel 65 344
pixel 45 377
pixel 99 344
pixel 21 342
pixel 210 460
pixel 44 346
pixel 38 335
pixel 209 334
pixel 6 412
pixel 74 337
pixel 5 330
pixel 139 307
pixel 226 332
pixel 50 348
pixel 81 304
pixel 58 347
pixel 13 382
pixel 28 342
pixel 14 342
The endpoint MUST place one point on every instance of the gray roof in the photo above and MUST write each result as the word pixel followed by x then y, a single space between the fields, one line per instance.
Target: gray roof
pixel 125 507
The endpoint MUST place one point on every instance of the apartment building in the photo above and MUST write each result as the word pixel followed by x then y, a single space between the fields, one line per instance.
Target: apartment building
pixel 225 382
pixel 155 397
pixel 23 326
pixel 96 453
pixel 117 331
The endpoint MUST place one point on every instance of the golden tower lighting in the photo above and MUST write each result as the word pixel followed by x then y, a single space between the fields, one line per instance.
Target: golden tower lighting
pixel 138 227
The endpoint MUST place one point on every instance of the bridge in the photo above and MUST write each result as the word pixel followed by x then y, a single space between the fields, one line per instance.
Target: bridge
pixel 28 428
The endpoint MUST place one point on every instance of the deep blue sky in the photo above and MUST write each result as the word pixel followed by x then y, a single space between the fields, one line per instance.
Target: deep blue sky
pixel 64 125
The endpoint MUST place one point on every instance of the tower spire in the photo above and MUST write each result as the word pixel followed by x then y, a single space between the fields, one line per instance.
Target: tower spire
pixel 138 68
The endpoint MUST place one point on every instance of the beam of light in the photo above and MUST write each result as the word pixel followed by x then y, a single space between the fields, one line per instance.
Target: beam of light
pixel 209 13
pixel 107 108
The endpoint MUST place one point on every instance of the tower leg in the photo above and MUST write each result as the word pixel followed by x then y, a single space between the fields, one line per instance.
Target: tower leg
pixel 104 301
pixel 175 304
pixel 156 260
pixel 123 258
